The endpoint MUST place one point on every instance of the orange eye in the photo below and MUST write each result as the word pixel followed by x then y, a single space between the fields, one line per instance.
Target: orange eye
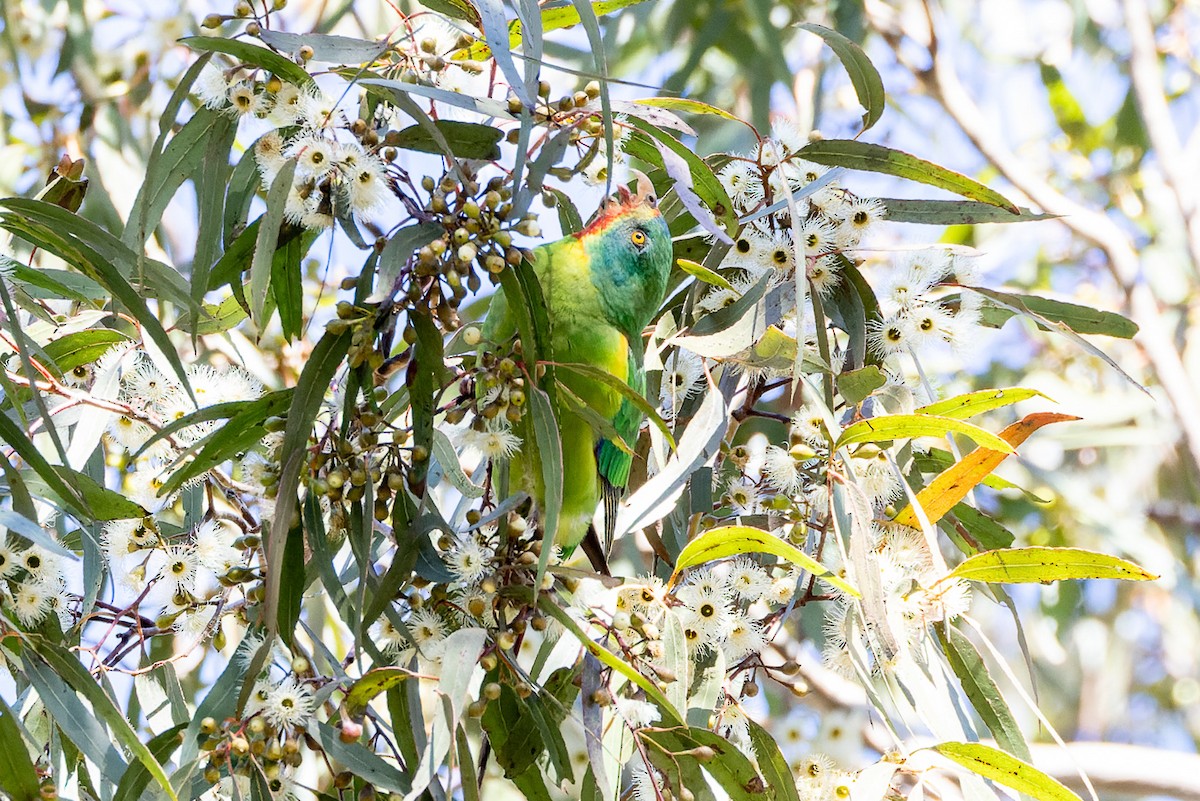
pixel 638 238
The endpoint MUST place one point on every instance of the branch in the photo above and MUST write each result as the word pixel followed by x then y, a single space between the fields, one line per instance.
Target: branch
pixel 1146 77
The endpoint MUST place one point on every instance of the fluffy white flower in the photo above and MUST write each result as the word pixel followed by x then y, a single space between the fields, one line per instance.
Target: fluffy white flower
pixel 469 560
pixel 748 580
pixel 638 714
pixel 745 638
pixel 290 704
pixel 245 100
pixel 889 335
pixel 742 182
pixel 212 87
pixel 367 186
pixel 781 471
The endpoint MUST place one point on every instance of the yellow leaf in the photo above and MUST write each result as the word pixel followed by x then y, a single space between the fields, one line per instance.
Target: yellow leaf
pixel 957 480
pixel 732 540
pixel 1043 564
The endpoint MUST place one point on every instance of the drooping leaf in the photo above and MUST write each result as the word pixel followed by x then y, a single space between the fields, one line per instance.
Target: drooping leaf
pixel 362 761
pixel 136 777
pixel 1080 319
pixel 857 385
pixel 693 180
pixel 726 541
pixel 863 75
pixel 617 663
pixel 267 240
pixel 66 667
pixel 18 777
pixel 624 390
pixel 310 390
pixel 982 691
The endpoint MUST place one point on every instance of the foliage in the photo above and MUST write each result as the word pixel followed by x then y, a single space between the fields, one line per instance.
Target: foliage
pixel 263 538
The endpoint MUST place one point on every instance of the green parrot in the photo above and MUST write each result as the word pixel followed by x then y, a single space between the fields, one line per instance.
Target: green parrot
pixel 601 287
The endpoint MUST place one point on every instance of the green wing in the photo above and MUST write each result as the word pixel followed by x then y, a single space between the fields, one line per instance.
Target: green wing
pixel 613 463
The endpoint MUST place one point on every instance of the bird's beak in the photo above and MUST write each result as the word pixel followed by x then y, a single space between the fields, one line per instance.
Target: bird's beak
pixel 645 189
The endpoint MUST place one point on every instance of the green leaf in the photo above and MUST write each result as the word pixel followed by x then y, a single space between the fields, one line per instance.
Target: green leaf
pixel 692 178
pixel 960 407
pixel 16 439
pixel 215 318
pixel 136 778
pixel 75 240
pixel 617 663
pixel 18 777
pixel 396 253
pixel 1080 319
pixel 328 48
pixel 82 347
pixel 372 683
pixel 726 541
pixel 443 452
pixel 179 160
pixel 729 766
pixel 729 330
pixel 1045 564
pixel 863 75
pixel 877 158
pixel 699 271
pixel 982 691
pixel 394 90
pixel 43 283
pixel 773 765
pixel 73 719
pixel 1002 768
pixel 292 583
pixel 467 140
pixel 909 426
pixel 281 67
pixel 64 664
pixel 516 739
pixel 692 106
pixel 100 502
pixel 243 430
pixel 857 385
pixel 627 392
pixel 954 212
pixel 310 391
pixel 267 240
pixel 362 761
pixel 549 450
pixel 982 532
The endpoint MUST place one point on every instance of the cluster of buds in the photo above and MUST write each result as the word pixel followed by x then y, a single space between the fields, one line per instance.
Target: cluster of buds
pixel 478 223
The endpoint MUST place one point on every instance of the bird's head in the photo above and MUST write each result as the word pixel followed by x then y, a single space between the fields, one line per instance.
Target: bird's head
pixel 630 248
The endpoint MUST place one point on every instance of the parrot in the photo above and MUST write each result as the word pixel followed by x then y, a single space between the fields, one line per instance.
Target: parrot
pixel 601 287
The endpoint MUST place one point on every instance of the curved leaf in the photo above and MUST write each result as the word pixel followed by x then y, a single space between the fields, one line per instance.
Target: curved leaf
pixel 1043 564
pixel 18 777
pixel 699 271
pixel 283 68
pixel 684 104
pixel 733 540
pixel 982 691
pixel 863 75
